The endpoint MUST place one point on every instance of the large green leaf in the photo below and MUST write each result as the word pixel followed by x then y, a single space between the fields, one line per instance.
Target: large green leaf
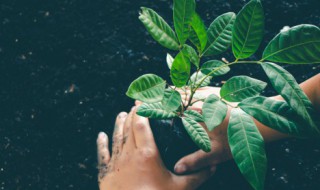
pixel 285 84
pixel 274 114
pixel 209 66
pixel 154 111
pixel 220 34
pixel 247 148
pixel 194 115
pixel 213 111
pixel 147 88
pixel 239 88
pixel 198 33
pixel 171 100
pixel 197 134
pixel 189 52
pixel 182 16
pixel 298 45
pixel 159 29
pixel 197 77
pixel 248 30
pixel 180 70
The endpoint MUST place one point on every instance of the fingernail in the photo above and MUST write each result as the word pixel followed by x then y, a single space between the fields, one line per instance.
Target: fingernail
pixel 180 168
pixel 101 135
pixel 133 108
pixel 122 115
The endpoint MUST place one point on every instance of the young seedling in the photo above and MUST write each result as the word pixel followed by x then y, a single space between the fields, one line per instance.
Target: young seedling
pixel 243 33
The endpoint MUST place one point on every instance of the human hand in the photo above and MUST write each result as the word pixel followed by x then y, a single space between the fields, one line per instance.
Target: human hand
pixel 220 150
pixel 135 161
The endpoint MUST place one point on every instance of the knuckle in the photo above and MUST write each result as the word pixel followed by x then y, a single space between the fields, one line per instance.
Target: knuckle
pixel 117 138
pixel 140 125
pixel 147 153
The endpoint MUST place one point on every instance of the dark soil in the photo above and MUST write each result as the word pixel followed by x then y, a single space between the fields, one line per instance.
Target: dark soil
pixel 65 66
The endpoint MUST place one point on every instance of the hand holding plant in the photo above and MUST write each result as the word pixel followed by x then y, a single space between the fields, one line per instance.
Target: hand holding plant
pixel 244 33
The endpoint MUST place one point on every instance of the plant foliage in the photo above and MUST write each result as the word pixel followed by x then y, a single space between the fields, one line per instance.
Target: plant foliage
pixel 243 32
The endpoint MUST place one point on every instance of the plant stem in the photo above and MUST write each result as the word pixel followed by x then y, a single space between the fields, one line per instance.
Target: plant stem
pixel 257 62
pixel 213 71
pixel 228 103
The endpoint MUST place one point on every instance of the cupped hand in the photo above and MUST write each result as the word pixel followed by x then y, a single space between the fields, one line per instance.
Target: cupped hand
pixel 220 150
pixel 135 162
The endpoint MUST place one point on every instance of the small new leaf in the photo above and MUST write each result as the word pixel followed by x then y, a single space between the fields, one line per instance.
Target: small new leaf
pixel 169 59
pixel 213 111
pixel 159 29
pixel 239 88
pixel 197 134
pixel 147 88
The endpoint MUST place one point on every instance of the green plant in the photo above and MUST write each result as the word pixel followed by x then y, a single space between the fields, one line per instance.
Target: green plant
pixel 244 33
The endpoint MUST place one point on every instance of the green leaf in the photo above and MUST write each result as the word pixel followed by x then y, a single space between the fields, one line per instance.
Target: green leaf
pixel 194 39
pixel 200 96
pixel 248 30
pixel 239 88
pixel 298 45
pixel 182 16
pixel 197 134
pixel 158 28
pixel 220 34
pixel 198 32
pixel 209 66
pixel 189 52
pixel 169 59
pixel 180 70
pixel 213 111
pixel 154 111
pixel 274 114
pixel 171 100
pixel 147 88
pixel 194 115
pixel 247 148
pixel 285 84
pixel 197 77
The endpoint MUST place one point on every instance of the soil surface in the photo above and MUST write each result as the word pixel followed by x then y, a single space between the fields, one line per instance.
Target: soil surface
pixel 65 67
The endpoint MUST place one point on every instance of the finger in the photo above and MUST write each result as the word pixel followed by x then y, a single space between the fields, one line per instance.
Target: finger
pixel 142 132
pixel 193 181
pixel 118 133
pixel 129 142
pixel 193 162
pixel 103 154
pixel 137 103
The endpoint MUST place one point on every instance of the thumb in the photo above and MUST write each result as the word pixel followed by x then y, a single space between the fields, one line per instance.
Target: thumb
pixel 193 162
pixel 194 180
